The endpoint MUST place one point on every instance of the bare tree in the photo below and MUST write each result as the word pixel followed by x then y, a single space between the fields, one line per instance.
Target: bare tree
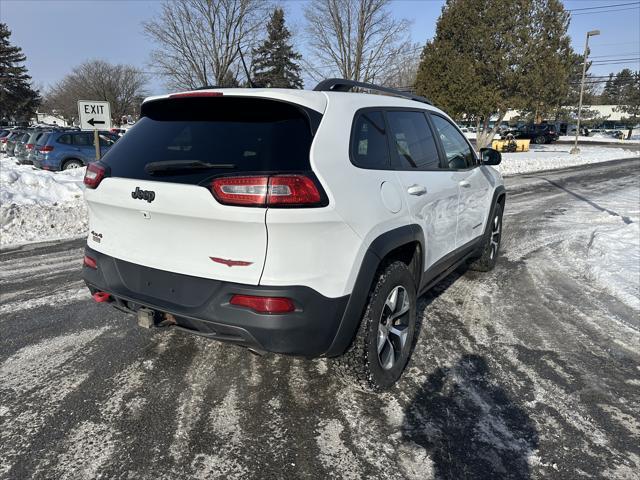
pixel 123 86
pixel 403 69
pixel 199 40
pixel 358 39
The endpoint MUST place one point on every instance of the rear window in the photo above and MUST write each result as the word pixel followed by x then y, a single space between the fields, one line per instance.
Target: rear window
pixel 42 140
pixel 233 135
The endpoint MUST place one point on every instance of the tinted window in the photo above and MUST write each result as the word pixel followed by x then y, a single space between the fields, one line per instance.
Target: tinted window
pixel 369 147
pixel 83 139
pixel 413 139
pixel 235 134
pixel 42 140
pixel 458 152
pixel 65 139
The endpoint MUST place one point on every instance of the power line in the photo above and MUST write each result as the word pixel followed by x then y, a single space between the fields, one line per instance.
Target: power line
pixel 603 6
pixel 613 56
pixel 605 11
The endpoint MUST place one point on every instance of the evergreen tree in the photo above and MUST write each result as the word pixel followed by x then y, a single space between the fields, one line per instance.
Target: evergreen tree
pixel 488 56
pixel 18 101
pixel 617 86
pixel 608 92
pixel 274 62
pixel 630 98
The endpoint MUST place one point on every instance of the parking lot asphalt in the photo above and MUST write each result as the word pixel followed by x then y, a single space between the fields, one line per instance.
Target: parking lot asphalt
pixel 529 371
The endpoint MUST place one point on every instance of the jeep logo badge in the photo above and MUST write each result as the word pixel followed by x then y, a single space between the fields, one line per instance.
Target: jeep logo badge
pixel 147 195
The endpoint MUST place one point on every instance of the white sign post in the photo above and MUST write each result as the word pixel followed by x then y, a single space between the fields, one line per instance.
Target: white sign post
pixel 94 115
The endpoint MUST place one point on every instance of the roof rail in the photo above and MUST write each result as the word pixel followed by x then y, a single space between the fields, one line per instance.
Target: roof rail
pixel 343 85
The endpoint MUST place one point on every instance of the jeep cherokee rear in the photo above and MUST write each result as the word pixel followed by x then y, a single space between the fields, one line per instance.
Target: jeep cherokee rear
pixel 278 220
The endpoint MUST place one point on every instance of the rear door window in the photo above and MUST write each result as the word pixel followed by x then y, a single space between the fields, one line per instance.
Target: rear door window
pixel 413 142
pixel 369 146
pixel 65 139
pixel 83 139
pixel 200 138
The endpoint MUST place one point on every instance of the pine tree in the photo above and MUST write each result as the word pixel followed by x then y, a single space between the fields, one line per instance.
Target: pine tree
pixel 274 62
pixel 18 100
pixel 630 97
pixel 485 58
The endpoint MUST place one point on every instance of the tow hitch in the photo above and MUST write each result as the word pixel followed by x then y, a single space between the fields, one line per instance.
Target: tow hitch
pixel 147 318
pixel 101 297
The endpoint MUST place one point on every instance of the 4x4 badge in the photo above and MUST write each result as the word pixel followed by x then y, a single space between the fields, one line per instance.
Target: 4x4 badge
pixel 147 195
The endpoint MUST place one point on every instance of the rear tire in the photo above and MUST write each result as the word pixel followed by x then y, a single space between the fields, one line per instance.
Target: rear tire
pixel 70 164
pixel 382 346
pixel 491 248
pixel 540 140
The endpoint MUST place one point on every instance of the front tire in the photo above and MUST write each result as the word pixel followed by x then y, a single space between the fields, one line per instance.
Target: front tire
pixel 487 260
pixel 540 140
pixel 382 346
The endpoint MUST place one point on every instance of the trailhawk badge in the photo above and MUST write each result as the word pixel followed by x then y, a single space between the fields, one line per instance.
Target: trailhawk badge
pixel 147 195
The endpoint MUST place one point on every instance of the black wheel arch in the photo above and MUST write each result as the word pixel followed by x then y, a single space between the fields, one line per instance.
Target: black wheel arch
pixel 405 243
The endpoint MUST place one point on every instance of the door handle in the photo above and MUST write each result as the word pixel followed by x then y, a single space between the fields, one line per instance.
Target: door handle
pixel 416 190
pixel 465 184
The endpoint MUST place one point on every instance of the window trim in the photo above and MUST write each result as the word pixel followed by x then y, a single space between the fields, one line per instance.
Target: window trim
pixel 443 151
pixel 356 116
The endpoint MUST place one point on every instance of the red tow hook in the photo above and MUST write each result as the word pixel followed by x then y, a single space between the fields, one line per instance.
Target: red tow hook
pixel 101 297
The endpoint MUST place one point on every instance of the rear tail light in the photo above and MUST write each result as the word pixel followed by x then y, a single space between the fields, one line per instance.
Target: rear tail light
pixel 94 175
pixel 3 140
pixel 195 94
pixel 267 191
pixel 46 148
pixel 29 146
pixel 270 305
pixel 90 262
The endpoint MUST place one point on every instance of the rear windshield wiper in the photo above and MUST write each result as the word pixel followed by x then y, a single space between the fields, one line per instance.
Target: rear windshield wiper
pixel 173 166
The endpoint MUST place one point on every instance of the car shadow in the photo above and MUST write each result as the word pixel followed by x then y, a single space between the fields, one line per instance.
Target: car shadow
pixel 582 198
pixel 468 425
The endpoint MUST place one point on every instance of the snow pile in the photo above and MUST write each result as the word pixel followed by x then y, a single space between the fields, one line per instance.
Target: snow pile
pixel 37 205
pixel 600 138
pixel 613 255
pixel 614 261
pixel 549 157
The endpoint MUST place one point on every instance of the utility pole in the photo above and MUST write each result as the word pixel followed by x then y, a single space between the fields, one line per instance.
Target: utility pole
pixel 592 33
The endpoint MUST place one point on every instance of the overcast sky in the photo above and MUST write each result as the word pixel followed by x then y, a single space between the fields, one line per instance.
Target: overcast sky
pixel 56 35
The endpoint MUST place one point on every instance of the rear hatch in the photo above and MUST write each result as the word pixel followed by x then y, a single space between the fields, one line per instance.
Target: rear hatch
pixel 181 190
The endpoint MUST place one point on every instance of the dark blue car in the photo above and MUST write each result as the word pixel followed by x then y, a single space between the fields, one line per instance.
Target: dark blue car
pixel 62 150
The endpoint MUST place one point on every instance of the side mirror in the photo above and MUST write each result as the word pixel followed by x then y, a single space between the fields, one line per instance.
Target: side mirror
pixel 489 156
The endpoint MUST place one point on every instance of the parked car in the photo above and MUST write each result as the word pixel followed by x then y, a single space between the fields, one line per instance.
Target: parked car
pixel 26 153
pixel 66 149
pixel 4 133
pixel 538 133
pixel 19 150
pixel 367 201
pixel 12 139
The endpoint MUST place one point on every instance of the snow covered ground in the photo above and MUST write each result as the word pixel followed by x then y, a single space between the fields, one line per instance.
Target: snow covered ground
pixel 554 156
pixel 36 205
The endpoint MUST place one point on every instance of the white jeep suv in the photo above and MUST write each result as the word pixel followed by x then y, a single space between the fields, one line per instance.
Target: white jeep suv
pixel 291 221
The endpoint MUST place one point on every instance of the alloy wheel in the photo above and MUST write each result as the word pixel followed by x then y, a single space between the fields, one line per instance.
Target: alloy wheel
pixel 393 327
pixel 495 236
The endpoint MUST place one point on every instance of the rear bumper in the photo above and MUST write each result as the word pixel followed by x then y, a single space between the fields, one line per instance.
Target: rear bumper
pixel 202 306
